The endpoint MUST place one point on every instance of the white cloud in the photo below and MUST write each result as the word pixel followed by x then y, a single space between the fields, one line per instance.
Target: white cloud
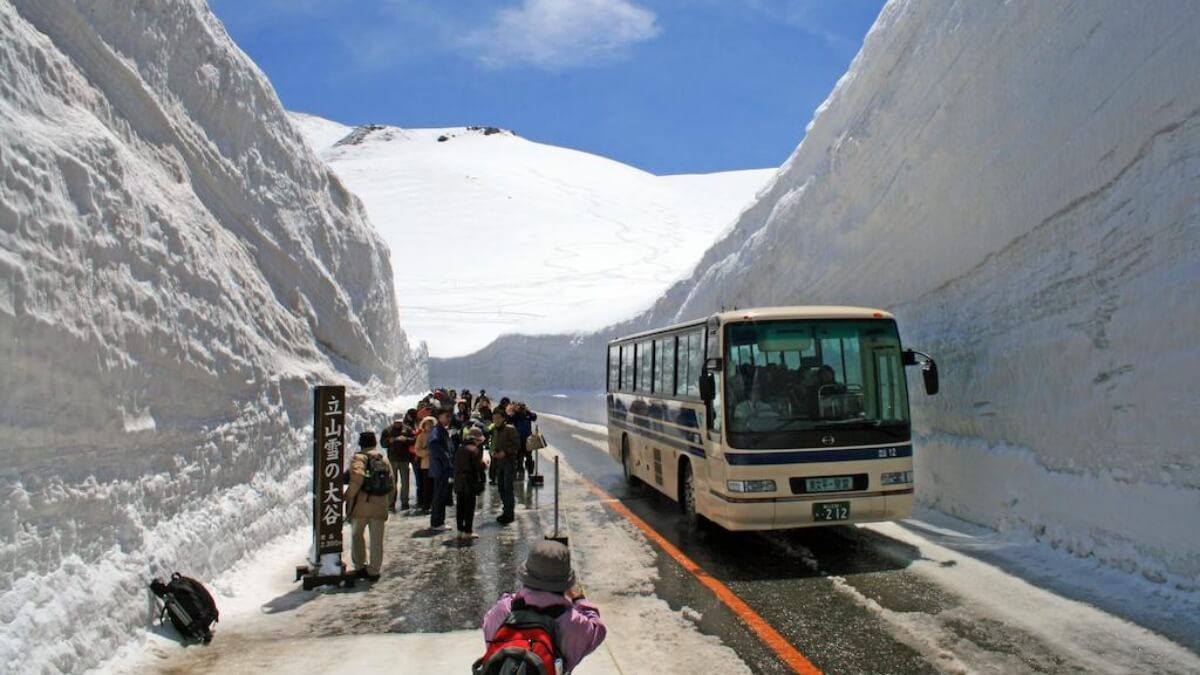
pixel 559 34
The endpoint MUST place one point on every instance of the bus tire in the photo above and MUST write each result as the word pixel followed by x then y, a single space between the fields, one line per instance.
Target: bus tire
pixel 630 479
pixel 687 498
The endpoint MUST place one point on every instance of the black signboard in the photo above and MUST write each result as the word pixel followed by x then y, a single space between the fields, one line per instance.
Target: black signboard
pixel 329 418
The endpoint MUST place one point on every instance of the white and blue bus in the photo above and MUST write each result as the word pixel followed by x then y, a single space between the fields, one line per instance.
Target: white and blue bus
pixel 769 418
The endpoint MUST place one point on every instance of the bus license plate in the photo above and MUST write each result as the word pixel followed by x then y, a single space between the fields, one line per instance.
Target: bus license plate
pixel 826 511
pixel 834 484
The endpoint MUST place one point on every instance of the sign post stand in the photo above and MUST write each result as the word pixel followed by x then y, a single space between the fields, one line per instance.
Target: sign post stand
pixel 329 441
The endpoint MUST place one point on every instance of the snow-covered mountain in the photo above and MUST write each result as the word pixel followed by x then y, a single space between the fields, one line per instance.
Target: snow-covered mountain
pixel 176 269
pixel 492 233
pixel 1020 183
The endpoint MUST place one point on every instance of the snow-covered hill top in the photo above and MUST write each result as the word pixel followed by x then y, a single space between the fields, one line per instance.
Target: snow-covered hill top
pixel 1020 183
pixel 492 233
pixel 176 268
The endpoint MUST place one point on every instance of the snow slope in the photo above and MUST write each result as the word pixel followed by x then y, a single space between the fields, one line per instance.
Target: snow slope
pixel 176 269
pixel 494 234
pixel 1020 183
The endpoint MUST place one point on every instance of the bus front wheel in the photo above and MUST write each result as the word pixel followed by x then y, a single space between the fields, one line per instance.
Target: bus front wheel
pixel 687 501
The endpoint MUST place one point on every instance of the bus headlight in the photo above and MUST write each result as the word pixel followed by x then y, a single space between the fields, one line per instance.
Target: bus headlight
pixel 896 478
pixel 750 485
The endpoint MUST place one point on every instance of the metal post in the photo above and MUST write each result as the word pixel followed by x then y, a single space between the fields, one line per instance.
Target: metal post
pixel 556 536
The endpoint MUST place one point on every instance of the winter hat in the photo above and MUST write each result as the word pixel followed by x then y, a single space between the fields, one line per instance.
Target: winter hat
pixel 547 568
pixel 366 440
pixel 397 417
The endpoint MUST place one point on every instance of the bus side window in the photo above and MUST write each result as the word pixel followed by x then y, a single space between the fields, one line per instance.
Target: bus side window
pixel 695 362
pixel 681 366
pixel 614 368
pixel 668 366
pixel 627 367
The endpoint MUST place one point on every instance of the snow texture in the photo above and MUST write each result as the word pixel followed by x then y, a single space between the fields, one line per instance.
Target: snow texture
pixel 176 270
pixel 1020 184
pixel 543 239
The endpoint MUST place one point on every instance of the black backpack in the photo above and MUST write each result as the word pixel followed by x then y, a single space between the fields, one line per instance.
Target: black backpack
pixel 189 605
pixel 378 479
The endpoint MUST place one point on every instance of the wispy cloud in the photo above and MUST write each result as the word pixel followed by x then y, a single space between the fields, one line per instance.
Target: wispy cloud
pixel 560 34
pixel 808 16
pixel 544 34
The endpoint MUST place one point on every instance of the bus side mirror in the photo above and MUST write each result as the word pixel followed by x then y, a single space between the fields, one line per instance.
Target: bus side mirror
pixel 930 374
pixel 708 386
pixel 929 371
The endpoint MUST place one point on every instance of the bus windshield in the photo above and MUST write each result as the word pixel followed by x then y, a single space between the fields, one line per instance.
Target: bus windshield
pixel 799 383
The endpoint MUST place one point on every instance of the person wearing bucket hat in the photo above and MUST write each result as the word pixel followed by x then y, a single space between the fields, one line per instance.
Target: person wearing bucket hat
pixel 548 586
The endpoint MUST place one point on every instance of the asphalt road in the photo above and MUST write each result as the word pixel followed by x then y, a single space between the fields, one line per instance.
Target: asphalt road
pixel 835 593
pixel 782 576
pixel 847 598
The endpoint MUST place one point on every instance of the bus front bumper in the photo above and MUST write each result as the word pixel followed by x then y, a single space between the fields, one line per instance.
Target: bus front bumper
pixel 738 513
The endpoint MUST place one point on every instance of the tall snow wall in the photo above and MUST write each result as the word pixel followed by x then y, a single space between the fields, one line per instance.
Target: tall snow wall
pixel 1020 183
pixel 176 271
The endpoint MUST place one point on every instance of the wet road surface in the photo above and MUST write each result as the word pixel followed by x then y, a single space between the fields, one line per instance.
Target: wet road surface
pixel 848 598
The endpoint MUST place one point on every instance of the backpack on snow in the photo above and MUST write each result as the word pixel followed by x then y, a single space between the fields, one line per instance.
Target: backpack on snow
pixel 189 605
pixel 378 480
pixel 525 644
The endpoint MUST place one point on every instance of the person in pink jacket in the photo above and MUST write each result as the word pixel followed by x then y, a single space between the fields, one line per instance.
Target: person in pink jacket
pixel 547 581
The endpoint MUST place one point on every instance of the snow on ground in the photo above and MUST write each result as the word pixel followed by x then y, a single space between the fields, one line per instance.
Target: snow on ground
pixel 1020 184
pixel 990 575
pixel 176 270
pixel 491 233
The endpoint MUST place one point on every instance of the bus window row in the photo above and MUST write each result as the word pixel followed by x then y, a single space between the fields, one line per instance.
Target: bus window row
pixel 668 366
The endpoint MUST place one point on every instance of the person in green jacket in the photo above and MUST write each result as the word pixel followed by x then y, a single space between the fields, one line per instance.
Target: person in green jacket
pixel 506 444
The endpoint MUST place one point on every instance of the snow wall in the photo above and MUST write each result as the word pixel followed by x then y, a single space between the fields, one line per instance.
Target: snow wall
pixel 1020 183
pixel 176 271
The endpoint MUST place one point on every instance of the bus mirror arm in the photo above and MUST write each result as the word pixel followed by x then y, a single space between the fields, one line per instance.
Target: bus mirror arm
pixel 929 369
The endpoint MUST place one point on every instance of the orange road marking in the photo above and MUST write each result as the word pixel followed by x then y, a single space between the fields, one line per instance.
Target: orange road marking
pixel 765 631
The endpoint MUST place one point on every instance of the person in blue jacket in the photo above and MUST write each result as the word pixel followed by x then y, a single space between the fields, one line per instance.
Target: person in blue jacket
pixel 522 419
pixel 441 468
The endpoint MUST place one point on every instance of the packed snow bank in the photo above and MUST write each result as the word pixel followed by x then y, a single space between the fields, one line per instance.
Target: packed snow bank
pixel 176 270
pixel 541 238
pixel 1020 183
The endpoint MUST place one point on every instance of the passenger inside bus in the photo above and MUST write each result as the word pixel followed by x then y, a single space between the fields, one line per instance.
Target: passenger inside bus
pixel 755 407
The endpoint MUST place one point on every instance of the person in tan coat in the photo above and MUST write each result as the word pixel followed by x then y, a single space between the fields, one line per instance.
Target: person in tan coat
pixel 369 511
pixel 421 460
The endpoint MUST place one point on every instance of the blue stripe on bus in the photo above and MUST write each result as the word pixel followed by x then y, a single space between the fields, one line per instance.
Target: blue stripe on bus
pixel 672 442
pixel 813 456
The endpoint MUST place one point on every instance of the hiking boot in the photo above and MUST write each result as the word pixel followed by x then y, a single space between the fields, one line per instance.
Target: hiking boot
pixel 373 577
pixel 505 520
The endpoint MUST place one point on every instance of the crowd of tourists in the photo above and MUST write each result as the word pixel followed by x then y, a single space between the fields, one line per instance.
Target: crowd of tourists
pixel 438 455
pixel 447 450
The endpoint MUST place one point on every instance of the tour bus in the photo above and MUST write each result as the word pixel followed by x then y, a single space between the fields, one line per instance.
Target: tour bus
pixel 769 418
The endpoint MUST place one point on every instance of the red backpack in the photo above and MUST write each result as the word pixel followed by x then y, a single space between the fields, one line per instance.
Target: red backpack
pixel 525 644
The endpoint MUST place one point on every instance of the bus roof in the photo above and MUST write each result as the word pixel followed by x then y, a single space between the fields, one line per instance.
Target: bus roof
pixel 770 313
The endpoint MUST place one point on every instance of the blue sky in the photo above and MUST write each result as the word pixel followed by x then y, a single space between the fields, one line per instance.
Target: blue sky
pixel 670 86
